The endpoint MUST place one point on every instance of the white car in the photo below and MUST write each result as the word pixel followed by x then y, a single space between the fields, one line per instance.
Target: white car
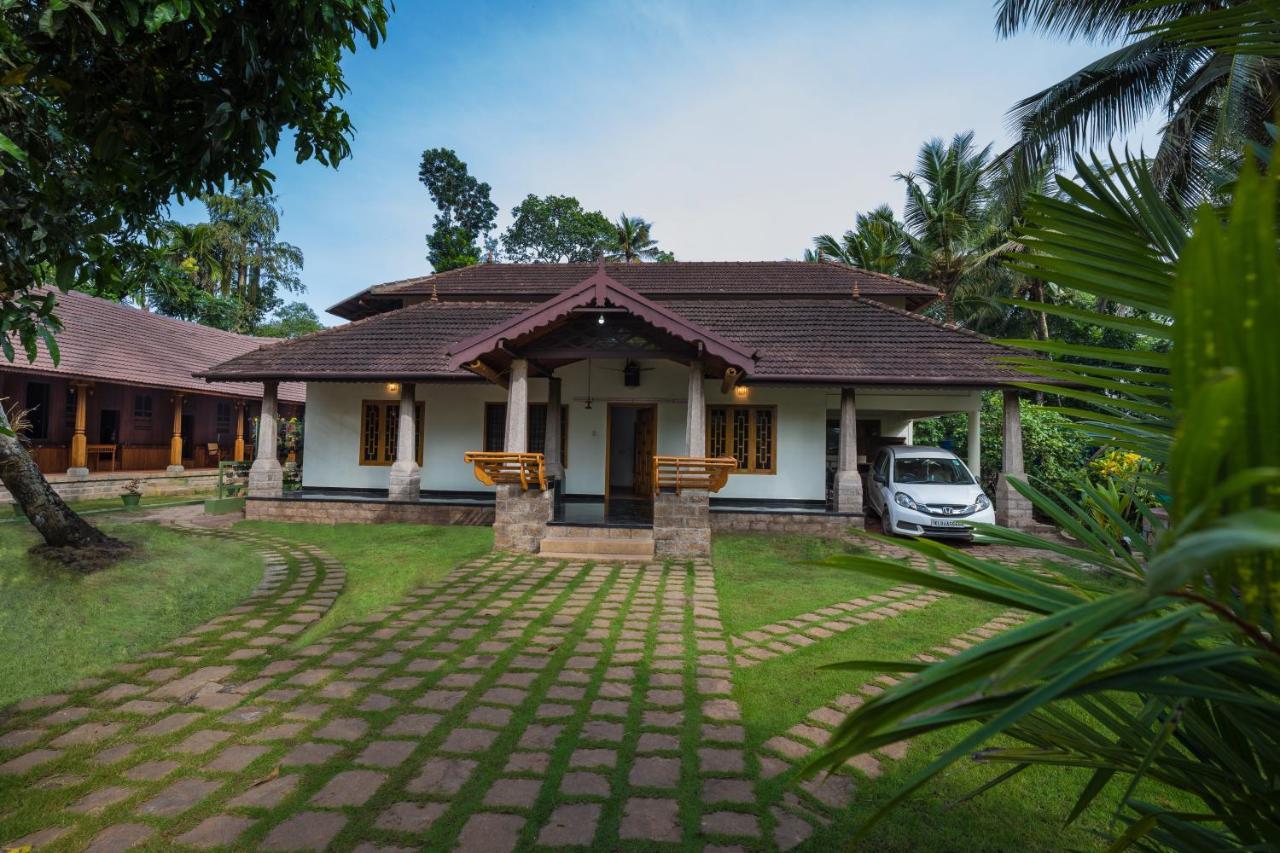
pixel 925 491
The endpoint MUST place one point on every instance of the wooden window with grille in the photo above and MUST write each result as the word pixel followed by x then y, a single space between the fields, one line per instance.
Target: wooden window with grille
pixel 143 412
pixel 380 428
pixel 747 433
pixel 495 429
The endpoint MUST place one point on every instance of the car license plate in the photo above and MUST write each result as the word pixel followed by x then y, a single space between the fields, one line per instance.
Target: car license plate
pixel 942 523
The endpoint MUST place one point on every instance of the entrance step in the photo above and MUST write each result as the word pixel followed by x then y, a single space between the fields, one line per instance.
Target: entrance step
pixel 598 543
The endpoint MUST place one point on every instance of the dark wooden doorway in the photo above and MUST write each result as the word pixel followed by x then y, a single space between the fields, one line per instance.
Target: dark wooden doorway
pixel 109 427
pixel 631 442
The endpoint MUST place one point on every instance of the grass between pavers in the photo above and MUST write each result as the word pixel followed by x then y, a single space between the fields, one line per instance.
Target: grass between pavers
pixel 763 578
pixel 384 562
pixel 57 626
pixel 1025 813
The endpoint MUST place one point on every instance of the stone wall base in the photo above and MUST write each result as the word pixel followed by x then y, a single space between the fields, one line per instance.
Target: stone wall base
pixel 1012 509
pixel 154 484
pixel 682 524
pixel 520 518
pixel 365 512
pixel 826 525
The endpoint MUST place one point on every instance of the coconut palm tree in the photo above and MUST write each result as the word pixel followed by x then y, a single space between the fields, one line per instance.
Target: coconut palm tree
pixel 878 243
pixel 1215 97
pixel 948 214
pixel 632 241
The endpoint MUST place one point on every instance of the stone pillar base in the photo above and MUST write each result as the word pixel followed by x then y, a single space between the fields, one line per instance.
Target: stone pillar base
pixel 78 473
pixel 174 469
pixel 682 524
pixel 848 491
pixel 1012 509
pixel 266 479
pixel 405 483
pixel 520 518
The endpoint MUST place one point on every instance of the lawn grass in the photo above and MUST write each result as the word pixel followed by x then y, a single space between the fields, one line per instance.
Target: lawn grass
pixel 384 562
pixel 57 626
pixel 763 578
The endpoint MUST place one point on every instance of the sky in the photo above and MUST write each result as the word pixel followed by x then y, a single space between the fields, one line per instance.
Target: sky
pixel 740 129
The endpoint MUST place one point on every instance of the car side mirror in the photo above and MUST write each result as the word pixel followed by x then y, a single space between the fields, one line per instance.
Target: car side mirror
pixel 880 479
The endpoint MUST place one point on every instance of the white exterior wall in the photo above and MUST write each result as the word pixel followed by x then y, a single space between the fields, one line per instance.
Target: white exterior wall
pixel 455 424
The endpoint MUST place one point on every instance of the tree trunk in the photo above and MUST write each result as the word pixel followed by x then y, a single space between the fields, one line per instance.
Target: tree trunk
pixel 47 512
pixel 1042 319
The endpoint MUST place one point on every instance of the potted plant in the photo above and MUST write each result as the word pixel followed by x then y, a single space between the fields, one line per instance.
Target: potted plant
pixel 132 494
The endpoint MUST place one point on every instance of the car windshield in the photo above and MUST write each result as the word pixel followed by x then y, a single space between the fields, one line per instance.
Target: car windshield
pixel 940 470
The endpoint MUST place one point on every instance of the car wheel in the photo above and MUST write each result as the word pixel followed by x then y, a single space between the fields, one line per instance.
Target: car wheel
pixel 886 523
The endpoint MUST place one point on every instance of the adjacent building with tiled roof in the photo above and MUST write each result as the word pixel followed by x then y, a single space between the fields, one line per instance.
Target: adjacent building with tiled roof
pixel 123 395
pixel 616 378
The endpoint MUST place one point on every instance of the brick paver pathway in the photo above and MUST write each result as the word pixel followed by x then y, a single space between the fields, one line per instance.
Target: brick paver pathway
pixel 517 703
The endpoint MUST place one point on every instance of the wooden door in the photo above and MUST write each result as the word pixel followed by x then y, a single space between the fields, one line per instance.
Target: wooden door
pixel 646 448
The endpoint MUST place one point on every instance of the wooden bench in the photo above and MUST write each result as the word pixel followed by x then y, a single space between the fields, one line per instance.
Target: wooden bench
pixel 99 451
pixel 495 468
pixel 692 472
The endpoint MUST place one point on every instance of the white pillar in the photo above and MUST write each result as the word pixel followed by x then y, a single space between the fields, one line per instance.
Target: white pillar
pixel 405 480
pixel 552 449
pixel 975 443
pixel 266 478
pixel 695 430
pixel 848 484
pixel 517 438
pixel 1012 509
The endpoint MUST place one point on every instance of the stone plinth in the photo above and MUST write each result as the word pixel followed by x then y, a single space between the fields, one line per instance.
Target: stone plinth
pixel 848 491
pixel 266 479
pixel 520 518
pixel 682 524
pixel 1012 509
pixel 405 482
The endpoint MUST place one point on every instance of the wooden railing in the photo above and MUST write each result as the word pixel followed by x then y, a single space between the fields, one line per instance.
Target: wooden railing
pixel 692 472
pixel 513 469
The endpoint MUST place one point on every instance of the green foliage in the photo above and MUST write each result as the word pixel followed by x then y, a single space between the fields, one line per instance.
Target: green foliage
pixel 1202 67
pixel 1171 679
pixel 109 110
pixel 1051 449
pixel 554 229
pixel 877 243
pixel 632 242
pixel 291 321
pixel 465 211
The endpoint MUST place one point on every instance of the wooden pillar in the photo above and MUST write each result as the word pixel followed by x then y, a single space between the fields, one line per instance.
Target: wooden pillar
pixel 517 437
pixel 405 481
pixel 175 443
pixel 554 452
pixel 975 443
pixel 848 484
pixel 239 448
pixel 266 477
pixel 79 467
pixel 695 429
pixel 1012 509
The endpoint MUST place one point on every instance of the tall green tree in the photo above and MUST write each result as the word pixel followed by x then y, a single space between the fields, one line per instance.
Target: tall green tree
pixel 948 214
pixel 465 213
pixel 1214 98
pixel 291 321
pixel 878 242
pixel 256 267
pixel 555 229
pixel 110 109
pixel 633 241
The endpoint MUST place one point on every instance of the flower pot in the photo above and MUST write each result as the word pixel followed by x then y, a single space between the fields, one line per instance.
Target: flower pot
pixel 131 501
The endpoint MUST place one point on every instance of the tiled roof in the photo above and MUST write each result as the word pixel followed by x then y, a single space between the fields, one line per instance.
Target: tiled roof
pixel 683 279
pixel 828 340
pixel 111 342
